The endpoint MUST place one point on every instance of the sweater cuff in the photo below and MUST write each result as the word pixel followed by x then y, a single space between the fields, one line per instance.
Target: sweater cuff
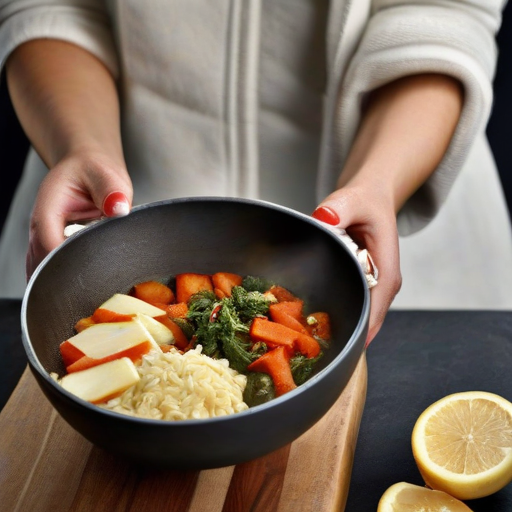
pixel 88 29
pixel 399 43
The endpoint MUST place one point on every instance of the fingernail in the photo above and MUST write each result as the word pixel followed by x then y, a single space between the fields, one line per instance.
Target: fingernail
pixel 327 215
pixel 116 205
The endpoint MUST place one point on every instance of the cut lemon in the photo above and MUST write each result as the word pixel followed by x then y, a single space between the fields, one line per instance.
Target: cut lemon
pixel 462 444
pixel 403 497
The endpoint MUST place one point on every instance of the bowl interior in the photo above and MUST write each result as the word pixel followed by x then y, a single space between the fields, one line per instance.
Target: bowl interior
pixel 204 235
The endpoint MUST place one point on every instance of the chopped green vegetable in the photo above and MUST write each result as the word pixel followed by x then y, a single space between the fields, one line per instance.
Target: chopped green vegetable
pixel 256 284
pixel 221 326
pixel 249 304
pixel 186 326
pixel 259 389
pixel 302 367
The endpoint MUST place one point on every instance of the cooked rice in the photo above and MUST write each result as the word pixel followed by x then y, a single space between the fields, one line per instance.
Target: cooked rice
pixel 175 386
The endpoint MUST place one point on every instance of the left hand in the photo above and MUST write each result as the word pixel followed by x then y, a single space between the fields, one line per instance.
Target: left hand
pixel 369 218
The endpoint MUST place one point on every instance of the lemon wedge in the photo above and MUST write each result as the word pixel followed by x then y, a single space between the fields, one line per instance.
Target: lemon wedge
pixel 462 444
pixel 404 497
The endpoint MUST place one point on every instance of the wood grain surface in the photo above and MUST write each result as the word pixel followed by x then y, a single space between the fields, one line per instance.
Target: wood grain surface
pixel 46 466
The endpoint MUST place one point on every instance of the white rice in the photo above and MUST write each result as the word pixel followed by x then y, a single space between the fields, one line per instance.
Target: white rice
pixel 175 386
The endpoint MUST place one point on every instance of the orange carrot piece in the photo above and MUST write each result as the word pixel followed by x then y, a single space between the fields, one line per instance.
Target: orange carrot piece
pixel 69 353
pixel 276 363
pixel 180 340
pixel 275 335
pixel 153 292
pixel 282 294
pixel 272 333
pixel 160 305
pixel 189 283
pixel 281 315
pixel 83 323
pixel 307 345
pixel 322 327
pixel 178 310
pixel 224 282
pixel 105 316
pixel 219 293
pixel 292 307
pixel 134 353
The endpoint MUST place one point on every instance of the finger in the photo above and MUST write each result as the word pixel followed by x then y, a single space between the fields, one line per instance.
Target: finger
pixel 111 191
pixel 342 208
pixel 385 252
pixel 368 224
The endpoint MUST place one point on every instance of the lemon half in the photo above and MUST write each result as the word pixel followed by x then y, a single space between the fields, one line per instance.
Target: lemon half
pixel 462 444
pixel 404 497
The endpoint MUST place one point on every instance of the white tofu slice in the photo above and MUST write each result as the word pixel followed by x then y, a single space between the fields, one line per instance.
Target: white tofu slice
pixel 102 382
pixel 103 340
pixel 128 305
pixel 160 332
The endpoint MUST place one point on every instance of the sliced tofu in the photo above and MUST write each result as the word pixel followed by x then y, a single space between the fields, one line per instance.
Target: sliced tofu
pixel 103 382
pixel 128 305
pixel 160 333
pixel 103 340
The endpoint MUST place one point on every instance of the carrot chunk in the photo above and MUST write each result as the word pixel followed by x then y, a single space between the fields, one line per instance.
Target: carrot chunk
pixel 291 307
pixel 134 353
pixel 219 293
pixel 83 323
pixel 291 317
pixel 307 345
pixel 275 335
pixel 105 316
pixel 180 340
pixel 282 294
pixel 223 282
pixel 187 284
pixel 178 310
pixel 153 292
pixel 70 354
pixel 320 325
pixel 276 363
pixel 272 333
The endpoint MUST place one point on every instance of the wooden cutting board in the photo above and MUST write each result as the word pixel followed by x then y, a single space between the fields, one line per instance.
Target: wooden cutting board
pixel 46 466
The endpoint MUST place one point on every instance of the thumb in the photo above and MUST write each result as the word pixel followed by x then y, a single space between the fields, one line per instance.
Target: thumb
pixel 110 188
pixel 116 204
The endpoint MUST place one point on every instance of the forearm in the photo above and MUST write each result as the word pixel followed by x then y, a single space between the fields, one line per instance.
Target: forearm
pixel 65 99
pixel 405 131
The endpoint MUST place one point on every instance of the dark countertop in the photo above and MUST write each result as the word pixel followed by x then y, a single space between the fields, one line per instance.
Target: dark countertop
pixel 416 359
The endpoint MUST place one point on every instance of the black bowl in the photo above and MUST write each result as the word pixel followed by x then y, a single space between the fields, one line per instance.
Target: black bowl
pixel 203 235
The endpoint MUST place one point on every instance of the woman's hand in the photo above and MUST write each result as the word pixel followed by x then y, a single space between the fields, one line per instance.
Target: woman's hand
pixel 369 218
pixel 404 133
pixel 80 187
pixel 67 102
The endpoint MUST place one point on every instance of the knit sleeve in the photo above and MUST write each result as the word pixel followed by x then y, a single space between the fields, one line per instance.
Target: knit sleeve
pixel 455 38
pixel 84 23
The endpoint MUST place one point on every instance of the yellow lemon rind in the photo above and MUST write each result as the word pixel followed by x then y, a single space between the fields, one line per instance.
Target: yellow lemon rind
pixel 463 487
pixel 387 502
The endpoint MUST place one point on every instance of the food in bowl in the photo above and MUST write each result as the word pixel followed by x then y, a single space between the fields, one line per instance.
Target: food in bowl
pixel 205 346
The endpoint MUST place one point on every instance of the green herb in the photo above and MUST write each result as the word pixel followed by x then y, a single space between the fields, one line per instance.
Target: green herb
pixel 249 304
pixel 186 326
pixel 259 389
pixel 302 367
pixel 222 326
pixel 256 284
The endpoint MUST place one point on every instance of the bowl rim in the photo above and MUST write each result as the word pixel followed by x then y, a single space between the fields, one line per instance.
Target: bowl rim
pixel 36 365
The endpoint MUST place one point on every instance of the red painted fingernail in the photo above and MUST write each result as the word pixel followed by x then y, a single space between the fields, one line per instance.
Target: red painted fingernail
pixel 327 215
pixel 116 205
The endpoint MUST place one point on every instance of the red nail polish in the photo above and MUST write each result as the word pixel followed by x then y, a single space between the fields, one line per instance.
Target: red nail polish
pixel 116 205
pixel 327 215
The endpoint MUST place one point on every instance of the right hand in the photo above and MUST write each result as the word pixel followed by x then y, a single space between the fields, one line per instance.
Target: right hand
pixel 76 189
